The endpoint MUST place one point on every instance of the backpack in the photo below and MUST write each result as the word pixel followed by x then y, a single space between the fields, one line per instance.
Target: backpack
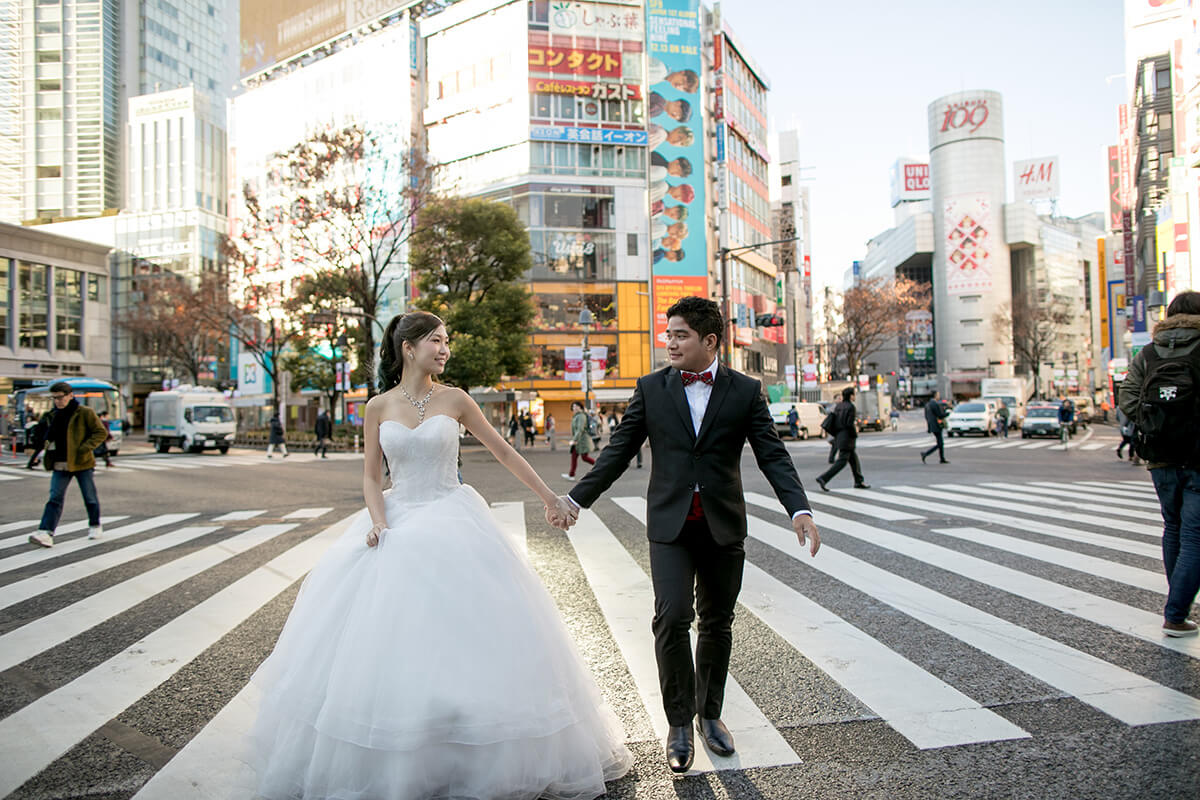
pixel 1167 418
pixel 593 427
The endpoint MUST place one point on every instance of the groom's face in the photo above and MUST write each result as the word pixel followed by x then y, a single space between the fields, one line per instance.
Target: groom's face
pixel 685 349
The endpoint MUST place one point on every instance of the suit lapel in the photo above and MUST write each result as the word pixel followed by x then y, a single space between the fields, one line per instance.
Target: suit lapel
pixel 720 388
pixel 679 400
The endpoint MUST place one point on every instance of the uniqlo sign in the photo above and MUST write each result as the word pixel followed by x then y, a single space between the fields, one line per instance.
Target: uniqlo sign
pixel 916 177
pixel 910 181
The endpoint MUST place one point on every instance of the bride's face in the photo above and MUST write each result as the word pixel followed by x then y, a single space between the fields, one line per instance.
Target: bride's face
pixel 431 353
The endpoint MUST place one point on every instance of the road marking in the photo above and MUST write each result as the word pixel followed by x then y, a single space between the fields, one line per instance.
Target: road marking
pixel 1017 491
pixel 1037 445
pixel 1136 499
pixel 33 737
pixel 1119 693
pixel 131 464
pixel 511 519
pixel 27 557
pixel 838 502
pixel 1026 524
pixel 1093 446
pixel 238 516
pixel 307 513
pixel 626 598
pixel 916 704
pixel 912 442
pixel 53 629
pixel 70 527
pixel 1154 581
pixel 988 442
pixel 27 524
pixel 1087 498
pixel 1005 445
pixel 52 579
pixel 1026 508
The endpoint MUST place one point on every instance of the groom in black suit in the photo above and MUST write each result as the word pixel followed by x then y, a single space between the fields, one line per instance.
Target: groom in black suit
pixel 698 416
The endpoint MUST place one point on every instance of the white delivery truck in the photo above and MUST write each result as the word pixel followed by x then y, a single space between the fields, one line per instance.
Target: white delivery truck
pixel 1013 391
pixel 191 418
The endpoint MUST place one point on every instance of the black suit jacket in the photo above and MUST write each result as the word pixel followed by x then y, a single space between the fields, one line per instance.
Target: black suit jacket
pixel 737 413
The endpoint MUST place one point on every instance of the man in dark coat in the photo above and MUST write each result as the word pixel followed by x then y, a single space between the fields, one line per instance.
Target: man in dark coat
pixel 323 430
pixel 845 433
pixel 935 412
pixel 276 437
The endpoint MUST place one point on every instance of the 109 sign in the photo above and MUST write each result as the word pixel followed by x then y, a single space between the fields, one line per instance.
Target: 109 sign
pixel 971 114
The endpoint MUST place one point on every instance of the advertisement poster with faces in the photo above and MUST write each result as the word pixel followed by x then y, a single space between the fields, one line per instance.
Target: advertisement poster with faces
pixel 969 245
pixel 676 138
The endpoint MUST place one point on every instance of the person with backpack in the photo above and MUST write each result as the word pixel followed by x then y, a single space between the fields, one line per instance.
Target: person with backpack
pixel 935 419
pixel 1161 394
pixel 845 431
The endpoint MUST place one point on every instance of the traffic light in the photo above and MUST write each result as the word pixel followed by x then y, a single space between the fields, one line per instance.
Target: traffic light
pixel 768 320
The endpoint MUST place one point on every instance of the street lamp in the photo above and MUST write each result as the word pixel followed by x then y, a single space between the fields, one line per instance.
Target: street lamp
pixel 725 252
pixel 339 348
pixel 586 321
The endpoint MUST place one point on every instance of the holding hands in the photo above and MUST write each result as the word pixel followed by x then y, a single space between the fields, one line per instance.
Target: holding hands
pixel 562 514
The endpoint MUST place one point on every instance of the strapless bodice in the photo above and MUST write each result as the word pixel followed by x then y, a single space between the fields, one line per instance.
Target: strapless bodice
pixel 423 460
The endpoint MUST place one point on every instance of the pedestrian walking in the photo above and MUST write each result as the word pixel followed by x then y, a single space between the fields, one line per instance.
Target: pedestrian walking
pixel 1126 428
pixel 550 431
pixel 935 413
pixel 793 422
pixel 514 425
pixel 73 432
pixel 595 429
pixel 529 429
pixel 35 436
pixel 1161 394
pixel 102 450
pixel 275 438
pixel 1002 415
pixel 894 416
pixel 581 439
pixel 845 433
pixel 323 430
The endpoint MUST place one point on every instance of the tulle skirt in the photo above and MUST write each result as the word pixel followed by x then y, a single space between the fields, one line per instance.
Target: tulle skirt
pixel 432 666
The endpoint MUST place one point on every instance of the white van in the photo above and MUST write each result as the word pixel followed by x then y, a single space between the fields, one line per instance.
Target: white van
pixel 191 418
pixel 811 416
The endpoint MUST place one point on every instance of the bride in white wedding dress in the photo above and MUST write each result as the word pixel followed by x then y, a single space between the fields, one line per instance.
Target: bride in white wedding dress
pixel 423 657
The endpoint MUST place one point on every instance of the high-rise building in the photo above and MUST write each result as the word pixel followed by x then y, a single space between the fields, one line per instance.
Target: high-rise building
pixel 794 262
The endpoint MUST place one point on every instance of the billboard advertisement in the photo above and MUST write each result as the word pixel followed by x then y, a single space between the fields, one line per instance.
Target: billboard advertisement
pixel 275 30
pixel 969 243
pixel 1035 179
pixel 575 61
pixel 1114 189
pixel 674 111
pixel 602 20
pixel 667 290
pixel 910 181
pixel 974 115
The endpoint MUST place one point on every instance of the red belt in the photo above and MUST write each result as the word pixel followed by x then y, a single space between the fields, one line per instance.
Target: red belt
pixel 696 511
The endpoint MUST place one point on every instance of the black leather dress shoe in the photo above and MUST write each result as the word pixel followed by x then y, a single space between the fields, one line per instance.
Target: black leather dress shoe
pixel 716 736
pixel 681 748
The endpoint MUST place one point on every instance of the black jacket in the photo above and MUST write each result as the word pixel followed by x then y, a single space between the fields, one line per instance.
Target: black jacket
pixel 845 424
pixel 935 412
pixel 276 436
pixel 680 460
pixel 324 427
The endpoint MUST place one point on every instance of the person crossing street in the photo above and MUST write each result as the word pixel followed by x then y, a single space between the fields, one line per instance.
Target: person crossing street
pixel 935 412
pixel 323 430
pixel 845 433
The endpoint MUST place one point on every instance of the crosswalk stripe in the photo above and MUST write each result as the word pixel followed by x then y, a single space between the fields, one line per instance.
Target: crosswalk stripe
pixel 239 516
pixel 131 464
pixel 77 709
pixel 1089 565
pixel 842 504
pixel 626 598
pixel 922 442
pixel 19 591
pixel 1026 508
pixel 4 477
pixel 70 527
pixel 1147 501
pixel 1016 491
pixel 919 706
pixel 27 524
pixel 1117 692
pixel 1005 445
pixel 308 513
pixel 27 557
pixel 1135 622
pixel 987 442
pixel 52 629
pixel 1037 445
pixel 1093 446
pixel 1139 487
pixel 1027 524
pixel 1089 493
pixel 511 519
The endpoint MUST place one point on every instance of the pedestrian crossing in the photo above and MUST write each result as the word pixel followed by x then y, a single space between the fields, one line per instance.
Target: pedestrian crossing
pixel 14 470
pixel 1081 442
pixel 1059 582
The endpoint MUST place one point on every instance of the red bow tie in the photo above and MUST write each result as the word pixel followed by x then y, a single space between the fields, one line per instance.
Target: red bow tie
pixel 691 377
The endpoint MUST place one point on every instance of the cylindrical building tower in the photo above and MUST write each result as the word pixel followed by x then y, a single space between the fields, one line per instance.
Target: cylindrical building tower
pixel 971 272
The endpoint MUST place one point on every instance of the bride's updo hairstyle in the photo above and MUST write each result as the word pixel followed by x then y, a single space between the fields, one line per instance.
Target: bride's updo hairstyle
pixel 411 328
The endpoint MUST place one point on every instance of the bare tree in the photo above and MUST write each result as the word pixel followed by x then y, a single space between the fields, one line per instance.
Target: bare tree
pixel 170 322
pixel 1032 329
pixel 872 317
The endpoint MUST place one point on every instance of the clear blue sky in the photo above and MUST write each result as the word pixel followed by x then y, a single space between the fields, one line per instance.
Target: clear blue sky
pixel 855 78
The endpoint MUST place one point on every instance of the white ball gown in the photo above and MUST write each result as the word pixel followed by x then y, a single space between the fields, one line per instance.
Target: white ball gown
pixel 434 665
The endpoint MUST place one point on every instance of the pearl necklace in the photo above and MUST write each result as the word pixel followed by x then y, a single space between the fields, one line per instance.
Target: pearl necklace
pixel 417 404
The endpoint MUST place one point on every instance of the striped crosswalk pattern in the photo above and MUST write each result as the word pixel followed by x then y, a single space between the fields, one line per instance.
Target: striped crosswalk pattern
pixel 869 441
pixel 176 463
pixel 1069 556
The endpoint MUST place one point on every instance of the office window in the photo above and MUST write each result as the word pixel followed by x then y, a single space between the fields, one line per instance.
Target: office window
pixel 44 114
pixel 1162 79
pixel 34 303
pixel 631 244
pixel 96 288
pixel 48 27
pixel 49 172
pixel 49 57
pixel 68 309
pixel 49 86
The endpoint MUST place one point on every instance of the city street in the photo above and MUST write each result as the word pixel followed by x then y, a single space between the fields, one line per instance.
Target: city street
pixel 985 628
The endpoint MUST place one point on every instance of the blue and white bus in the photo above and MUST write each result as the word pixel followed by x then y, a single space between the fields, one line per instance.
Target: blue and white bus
pixel 96 394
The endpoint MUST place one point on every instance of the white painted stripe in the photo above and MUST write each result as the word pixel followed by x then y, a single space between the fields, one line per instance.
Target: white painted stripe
pixel 1084 498
pixel 511 519
pixel 626 598
pixel 1093 446
pixel 36 735
pixel 27 557
pixel 238 516
pixel 4 477
pixel 922 442
pixel 1027 508
pixel 70 527
pixel 52 579
pixel 1119 693
pixel 308 513
pixel 1132 499
pixel 989 442
pixel 1037 445
pixel 1021 492
pixel 1005 445
pixel 1140 490
pixel 919 706
pixel 25 524
pixel 53 629
pixel 1154 581
pixel 130 464
pixel 837 501
pixel 959 442
pixel 1026 524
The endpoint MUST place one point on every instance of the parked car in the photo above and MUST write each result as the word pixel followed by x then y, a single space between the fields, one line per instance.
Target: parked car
pixel 972 416
pixel 1041 421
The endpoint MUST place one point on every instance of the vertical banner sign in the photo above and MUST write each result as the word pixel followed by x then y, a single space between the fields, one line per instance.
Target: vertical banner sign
pixel 1102 269
pixel 678 246
pixel 968 226
pixel 1114 189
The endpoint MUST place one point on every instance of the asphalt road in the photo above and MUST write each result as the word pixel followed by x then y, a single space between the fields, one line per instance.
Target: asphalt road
pixel 982 629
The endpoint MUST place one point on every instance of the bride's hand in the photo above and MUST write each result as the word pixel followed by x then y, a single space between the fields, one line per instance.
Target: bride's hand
pixel 374 534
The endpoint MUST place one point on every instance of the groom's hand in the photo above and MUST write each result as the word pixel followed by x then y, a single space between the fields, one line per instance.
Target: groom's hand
pixel 567 511
pixel 805 528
